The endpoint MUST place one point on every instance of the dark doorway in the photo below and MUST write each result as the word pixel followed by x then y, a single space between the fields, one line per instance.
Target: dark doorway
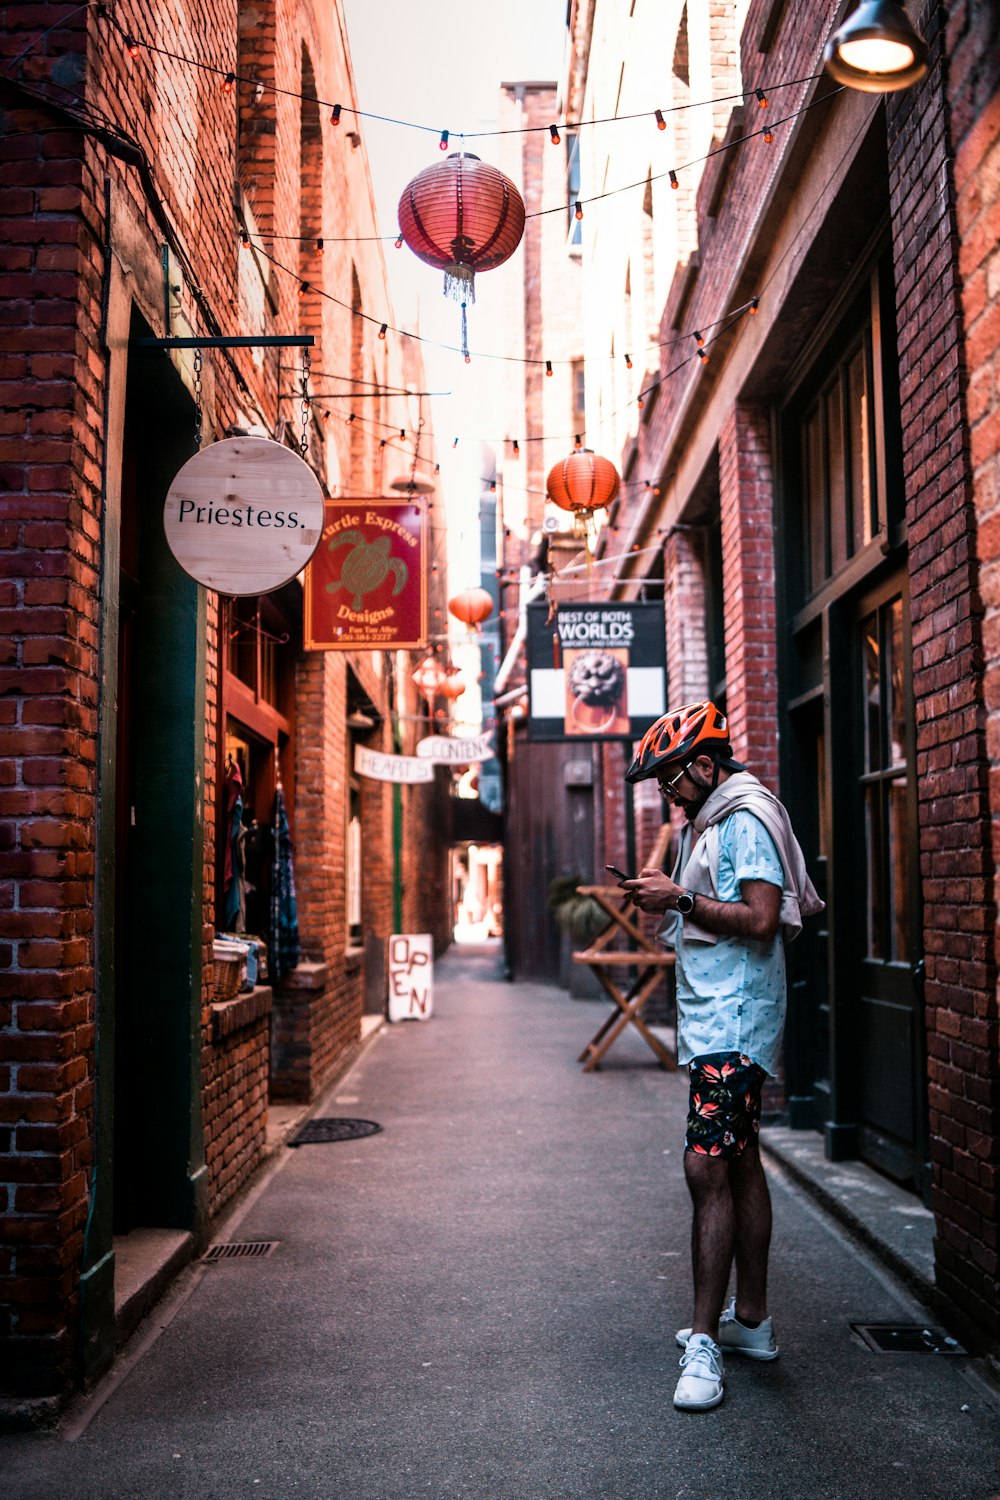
pixel 158 775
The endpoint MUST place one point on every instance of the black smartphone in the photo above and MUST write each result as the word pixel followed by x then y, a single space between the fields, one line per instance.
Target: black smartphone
pixel 618 874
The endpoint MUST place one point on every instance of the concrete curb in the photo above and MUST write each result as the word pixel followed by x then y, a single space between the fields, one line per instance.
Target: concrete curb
pixel 883 1217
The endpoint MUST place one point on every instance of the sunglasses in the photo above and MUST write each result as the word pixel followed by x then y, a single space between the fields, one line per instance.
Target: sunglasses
pixel 668 785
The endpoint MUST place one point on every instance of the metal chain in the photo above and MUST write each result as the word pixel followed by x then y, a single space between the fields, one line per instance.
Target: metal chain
pixel 197 401
pixel 305 408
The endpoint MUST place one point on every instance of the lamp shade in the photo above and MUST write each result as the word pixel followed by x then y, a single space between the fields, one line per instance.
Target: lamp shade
pixel 582 482
pixel 451 688
pixel 471 606
pixel 464 216
pixel 877 49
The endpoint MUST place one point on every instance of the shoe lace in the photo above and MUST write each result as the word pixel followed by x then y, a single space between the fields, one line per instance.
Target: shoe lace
pixel 701 1354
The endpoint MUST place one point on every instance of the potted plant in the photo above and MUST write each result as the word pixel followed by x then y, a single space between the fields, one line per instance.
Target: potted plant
pixel 581 919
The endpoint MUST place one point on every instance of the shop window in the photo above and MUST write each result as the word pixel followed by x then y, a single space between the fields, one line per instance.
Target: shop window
pixel 884 783
pixel 252 647
pixel 842 446
pixel 715 619
pixel 258 657
pixel 838 463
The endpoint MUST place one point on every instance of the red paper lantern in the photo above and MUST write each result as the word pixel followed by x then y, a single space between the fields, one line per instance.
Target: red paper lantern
pixel 464 216
pixel 471 606
pixel 428 677
pixel 582 482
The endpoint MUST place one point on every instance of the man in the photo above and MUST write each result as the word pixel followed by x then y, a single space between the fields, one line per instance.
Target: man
pixel 737 894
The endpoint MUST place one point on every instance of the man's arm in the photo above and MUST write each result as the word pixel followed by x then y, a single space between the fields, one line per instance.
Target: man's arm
pixel 757 915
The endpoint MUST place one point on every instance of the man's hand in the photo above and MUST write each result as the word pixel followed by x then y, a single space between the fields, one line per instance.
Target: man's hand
pixel 652 891
pixel 757 916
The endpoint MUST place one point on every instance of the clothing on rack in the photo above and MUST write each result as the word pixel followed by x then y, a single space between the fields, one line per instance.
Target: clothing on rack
pixel 284 936
pixel 234 905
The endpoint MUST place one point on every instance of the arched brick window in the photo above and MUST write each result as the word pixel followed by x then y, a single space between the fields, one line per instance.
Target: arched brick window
pixel 687 234
pixel 359 430
pixel 310 199
pixel 257 109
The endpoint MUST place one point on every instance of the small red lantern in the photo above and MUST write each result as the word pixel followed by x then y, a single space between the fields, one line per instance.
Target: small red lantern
pixel 582 482
pixel 471 606
pixel 464 216
pixel 428 678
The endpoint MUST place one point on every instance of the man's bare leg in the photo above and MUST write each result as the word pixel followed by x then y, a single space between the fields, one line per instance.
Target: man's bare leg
pixel 712 1232
pixel 751 1233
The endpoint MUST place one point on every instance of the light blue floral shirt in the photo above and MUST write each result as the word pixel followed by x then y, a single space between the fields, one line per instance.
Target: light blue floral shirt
pixel 731 993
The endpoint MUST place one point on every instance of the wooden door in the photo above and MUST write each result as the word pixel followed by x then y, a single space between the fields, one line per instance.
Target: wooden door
pixel 885 924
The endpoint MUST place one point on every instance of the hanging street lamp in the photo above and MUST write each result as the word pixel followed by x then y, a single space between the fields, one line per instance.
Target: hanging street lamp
pixel 877 49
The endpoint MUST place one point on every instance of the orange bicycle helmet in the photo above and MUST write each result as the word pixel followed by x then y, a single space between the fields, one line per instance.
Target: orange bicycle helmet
pixel 683 733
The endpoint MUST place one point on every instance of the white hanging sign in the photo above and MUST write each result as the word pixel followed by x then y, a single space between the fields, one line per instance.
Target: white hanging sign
pixel 456 752
pixel 411 958
pixel 244 515
pixel 379 766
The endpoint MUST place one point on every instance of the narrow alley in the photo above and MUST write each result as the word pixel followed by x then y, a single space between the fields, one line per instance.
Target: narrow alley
pixel 480 1301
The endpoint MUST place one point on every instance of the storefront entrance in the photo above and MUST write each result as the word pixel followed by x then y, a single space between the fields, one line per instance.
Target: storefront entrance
pixel 855 1050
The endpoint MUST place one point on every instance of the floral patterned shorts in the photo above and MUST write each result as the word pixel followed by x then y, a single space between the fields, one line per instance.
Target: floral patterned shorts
pixel 724 1107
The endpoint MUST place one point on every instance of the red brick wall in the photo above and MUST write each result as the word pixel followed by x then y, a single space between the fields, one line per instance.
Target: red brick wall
pixel 56 386
pixel 965 1096
pixel 48 715
pixel 234 1075
pixel 746 497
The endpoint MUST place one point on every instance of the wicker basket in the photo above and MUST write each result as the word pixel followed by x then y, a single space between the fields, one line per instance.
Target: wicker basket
pixel 228 968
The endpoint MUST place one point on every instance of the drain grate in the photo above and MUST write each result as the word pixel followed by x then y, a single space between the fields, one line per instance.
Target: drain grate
pixel 907 1338
pixel 239 1250
pixel 333 1128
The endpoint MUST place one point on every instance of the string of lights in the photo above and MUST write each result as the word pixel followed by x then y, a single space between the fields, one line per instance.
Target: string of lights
pixel 306 288
pixel 229 78
pixel 766 133
pixel 802 229
pixel 378 389
pixel 134 43
pixel 702 345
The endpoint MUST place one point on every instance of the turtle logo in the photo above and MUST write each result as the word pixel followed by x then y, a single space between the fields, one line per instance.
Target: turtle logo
pixel 367 565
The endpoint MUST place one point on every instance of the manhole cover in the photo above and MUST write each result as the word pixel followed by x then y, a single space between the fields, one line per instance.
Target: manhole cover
pixel 238 1250
pixel 318 1132
pixel 907 1338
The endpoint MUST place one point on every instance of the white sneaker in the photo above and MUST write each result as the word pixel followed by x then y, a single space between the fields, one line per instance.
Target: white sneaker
pixel 700 1385
pixel 734 1338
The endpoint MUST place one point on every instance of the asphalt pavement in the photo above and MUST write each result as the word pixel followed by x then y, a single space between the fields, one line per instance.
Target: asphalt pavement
pixel 480 1302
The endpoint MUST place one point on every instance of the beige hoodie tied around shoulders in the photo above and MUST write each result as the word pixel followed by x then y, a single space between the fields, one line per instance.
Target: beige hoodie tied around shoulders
pixel 698 871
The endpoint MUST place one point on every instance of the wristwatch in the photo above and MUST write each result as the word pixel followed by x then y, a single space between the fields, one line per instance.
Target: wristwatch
pixel 685 903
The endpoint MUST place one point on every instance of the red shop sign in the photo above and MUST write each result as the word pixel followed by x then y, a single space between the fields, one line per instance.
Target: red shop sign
pixel 366 587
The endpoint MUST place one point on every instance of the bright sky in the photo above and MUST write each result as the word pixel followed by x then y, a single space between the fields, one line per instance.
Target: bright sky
pixel 441 64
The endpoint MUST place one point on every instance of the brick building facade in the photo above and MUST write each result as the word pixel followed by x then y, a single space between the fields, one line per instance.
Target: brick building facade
pixel 132 1098
pixel 825 485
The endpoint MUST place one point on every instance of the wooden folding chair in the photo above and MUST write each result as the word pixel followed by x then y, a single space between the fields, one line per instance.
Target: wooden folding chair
pixel 646 957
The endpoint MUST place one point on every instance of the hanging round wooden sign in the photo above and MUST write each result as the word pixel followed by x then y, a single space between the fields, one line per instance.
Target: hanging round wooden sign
pixel 244 515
